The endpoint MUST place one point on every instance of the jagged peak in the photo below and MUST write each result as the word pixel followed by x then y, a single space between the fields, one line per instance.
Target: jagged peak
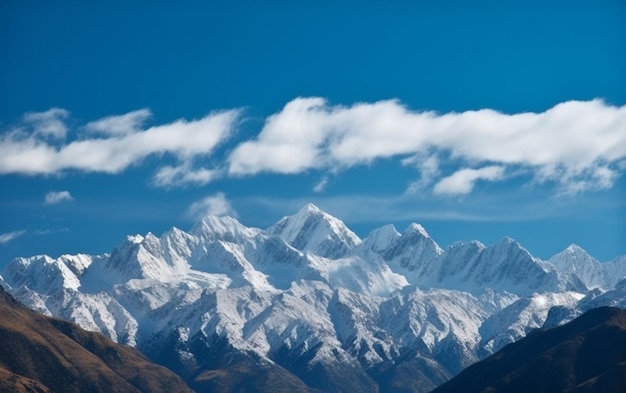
pixel 507 240
pixel 312 210
pixel 309 211
pixel 380 238
pixel 388 229
pixel 175 231
pixel 575 248
pixel 508 244
pixel 573 251
pixel 415 232
pixel 415 228
pixel 310 207
pixel 151 237
pixel 313 230
pixel 219 227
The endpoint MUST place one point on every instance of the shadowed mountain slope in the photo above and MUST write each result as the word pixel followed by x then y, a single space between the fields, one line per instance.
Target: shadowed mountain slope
pixel 42 354
pixel 587 355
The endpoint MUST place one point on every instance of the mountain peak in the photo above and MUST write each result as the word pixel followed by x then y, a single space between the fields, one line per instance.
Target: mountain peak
pixel 313 230
pixel 575 249
pixel 310 207
pixel 507 240
pixel 381 238
pixel 222 228
pixel 576 261
pixel 416 228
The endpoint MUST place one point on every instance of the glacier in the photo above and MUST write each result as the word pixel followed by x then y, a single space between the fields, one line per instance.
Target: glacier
pixel 307 296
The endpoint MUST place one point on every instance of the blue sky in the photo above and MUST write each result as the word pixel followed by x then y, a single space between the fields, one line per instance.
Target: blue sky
pixel 477 122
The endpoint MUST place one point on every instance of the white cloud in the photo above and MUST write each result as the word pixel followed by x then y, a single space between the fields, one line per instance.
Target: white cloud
pixel 55 197
pixel 595 178
pixel 214 205
pixel 184 175
pixel 576 137
pixel 462 181
pixel 48 123
pixel 289 142
pixel 428 167
pixel 321 185
pixel 121 124
pixel 124 146
pixel 575 145
pixel 10 236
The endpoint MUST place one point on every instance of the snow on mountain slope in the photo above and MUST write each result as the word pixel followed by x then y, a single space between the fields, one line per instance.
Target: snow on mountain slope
pixel 614 271
pixel 314 231
pixel 307 294
pixel 380 239
pixel 509 267
pixel 359 274
pixel 412 252
pixel 213 228
pixel 43 274
pixel 576 261
pixel 518 319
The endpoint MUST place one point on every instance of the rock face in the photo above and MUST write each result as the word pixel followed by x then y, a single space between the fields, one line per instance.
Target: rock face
pixel 306 305
pixel 42 354
pixel 587 354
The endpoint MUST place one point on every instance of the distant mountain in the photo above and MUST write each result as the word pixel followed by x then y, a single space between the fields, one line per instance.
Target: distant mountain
pixel 587 354
pixel 307 305
pixel 42 354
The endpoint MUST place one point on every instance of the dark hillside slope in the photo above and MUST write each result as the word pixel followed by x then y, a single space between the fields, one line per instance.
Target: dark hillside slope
pixel 587 354
pixel 41 354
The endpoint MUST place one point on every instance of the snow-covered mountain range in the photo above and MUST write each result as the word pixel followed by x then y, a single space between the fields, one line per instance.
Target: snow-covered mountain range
pixel 310 299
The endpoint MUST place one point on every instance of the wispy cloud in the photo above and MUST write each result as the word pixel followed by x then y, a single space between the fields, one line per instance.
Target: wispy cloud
pixel 321 185
pixel 124 142
pixel 462 181
pixel 54 197
pixel 184 175
pixel 10 236
pixel 120 125
pixel 566 144
pixel 385 209
pixel 428 167
pixel 49 123
pixel 213 205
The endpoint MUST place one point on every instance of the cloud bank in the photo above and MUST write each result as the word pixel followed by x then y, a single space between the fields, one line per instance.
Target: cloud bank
pixel 109 145
pixel 579 145
pixel 576 146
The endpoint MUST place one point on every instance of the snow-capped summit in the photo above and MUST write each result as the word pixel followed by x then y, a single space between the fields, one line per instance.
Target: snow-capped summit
pixel 614 271
pixel 380 238
pixel 225 228
pixel 414 250
pixel 312 230
pixel 576 261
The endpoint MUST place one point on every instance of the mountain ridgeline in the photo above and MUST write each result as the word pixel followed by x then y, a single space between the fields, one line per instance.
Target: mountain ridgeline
pixel 306 305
